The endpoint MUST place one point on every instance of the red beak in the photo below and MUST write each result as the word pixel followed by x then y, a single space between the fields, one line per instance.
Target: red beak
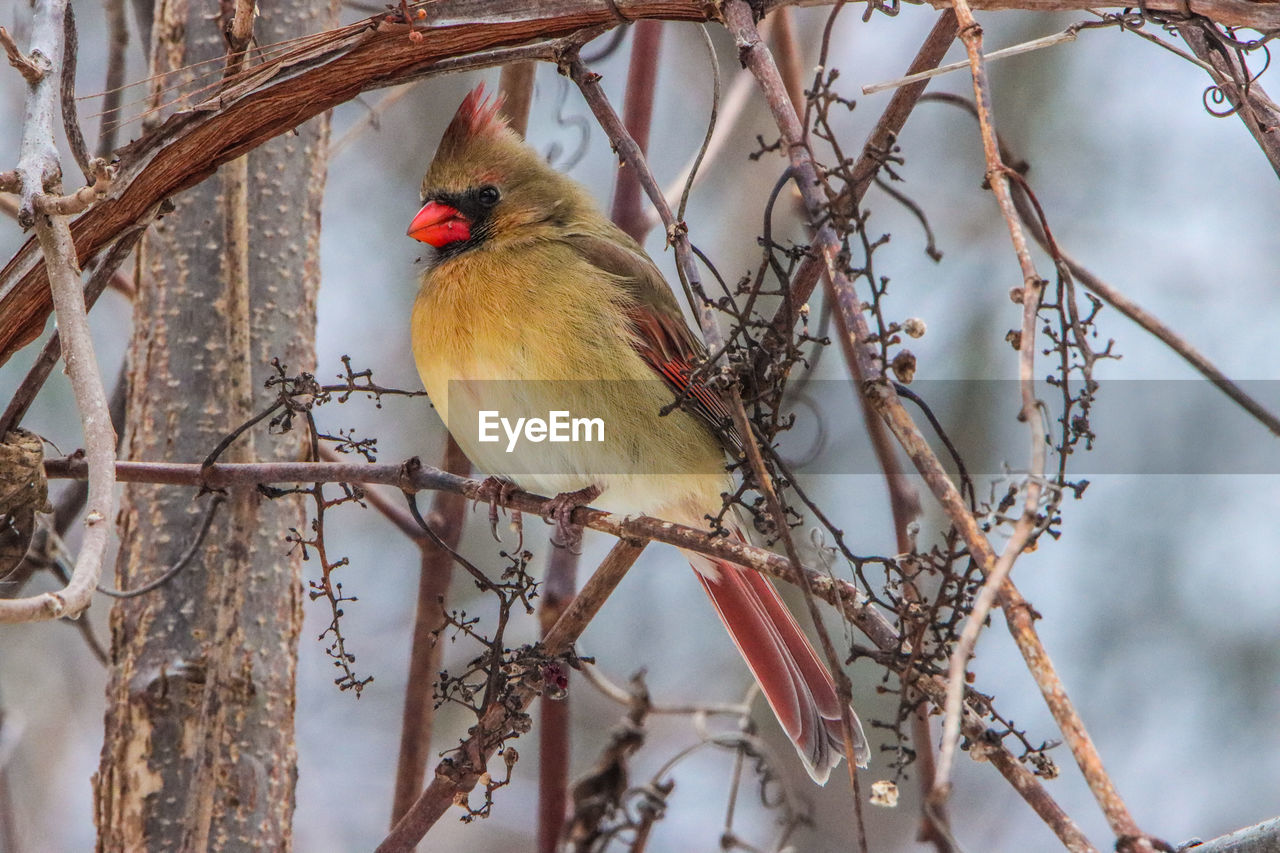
pixel 439 225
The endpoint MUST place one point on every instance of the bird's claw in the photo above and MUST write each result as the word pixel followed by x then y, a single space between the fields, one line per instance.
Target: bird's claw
pixel 495 491
pixel 559 511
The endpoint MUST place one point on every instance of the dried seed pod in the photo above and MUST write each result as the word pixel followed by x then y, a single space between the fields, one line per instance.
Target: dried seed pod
pixel 904 366
pixel 884 793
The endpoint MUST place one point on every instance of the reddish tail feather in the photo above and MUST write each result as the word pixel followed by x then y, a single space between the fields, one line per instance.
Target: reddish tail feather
pixel 796 684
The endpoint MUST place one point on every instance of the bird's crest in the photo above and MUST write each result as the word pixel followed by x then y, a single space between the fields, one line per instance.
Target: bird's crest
pixel 478 115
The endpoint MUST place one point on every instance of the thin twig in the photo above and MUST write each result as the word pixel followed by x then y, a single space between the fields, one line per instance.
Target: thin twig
pixel 732 109
pixel 1031 414
pixel 637 117
pixel 117 44
pixel 1153 324
pixel 612 690
pixel 447 517
pixel 67 90
pixel 871 159
pixel 629 152
pixel 713 118
pixel 1004 53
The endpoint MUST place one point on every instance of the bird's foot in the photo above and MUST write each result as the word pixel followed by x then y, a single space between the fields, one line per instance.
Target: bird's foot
pixel 495 491
pixel 559 510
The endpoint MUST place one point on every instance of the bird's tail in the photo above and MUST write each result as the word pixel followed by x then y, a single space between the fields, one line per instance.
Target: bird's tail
pixel 796 683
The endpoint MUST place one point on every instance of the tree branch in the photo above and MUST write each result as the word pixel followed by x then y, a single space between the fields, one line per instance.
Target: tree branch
pixel 413 476
pixel 1260 838
pixel 39 163
pixel 1261 16
pixel 296 82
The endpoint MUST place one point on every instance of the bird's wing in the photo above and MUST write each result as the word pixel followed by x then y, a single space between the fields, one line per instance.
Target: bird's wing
pixel 661 336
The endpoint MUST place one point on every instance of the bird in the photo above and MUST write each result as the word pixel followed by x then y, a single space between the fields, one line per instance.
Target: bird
pixel 534 301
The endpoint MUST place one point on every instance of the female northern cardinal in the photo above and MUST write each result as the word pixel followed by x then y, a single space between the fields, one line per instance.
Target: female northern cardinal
pixel 535 301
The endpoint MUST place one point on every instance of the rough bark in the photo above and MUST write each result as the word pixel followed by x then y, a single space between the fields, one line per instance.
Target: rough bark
pixel 199 749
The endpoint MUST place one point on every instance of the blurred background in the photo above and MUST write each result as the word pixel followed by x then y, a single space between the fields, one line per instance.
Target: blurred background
pixel 1159 600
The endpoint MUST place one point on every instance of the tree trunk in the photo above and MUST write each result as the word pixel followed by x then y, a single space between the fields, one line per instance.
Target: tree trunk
pixel 199 750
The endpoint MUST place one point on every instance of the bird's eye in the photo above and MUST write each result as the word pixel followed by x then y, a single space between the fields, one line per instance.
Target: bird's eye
pixel 488 196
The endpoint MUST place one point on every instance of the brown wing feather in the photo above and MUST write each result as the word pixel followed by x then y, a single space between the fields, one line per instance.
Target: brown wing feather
pixel 661 338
